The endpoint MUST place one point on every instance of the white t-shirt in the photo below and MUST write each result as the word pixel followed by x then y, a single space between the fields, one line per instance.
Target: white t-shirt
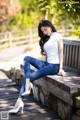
pixel 51 48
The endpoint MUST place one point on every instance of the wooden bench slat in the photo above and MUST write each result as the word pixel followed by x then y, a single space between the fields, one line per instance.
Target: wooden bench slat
pixel 70 56
pixel 67 56
pixel 79 60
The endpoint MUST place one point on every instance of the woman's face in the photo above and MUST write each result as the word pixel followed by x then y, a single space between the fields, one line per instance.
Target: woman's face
pixel 46 30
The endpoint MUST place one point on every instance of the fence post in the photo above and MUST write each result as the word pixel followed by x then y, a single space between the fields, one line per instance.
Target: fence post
pixel 5 37
pixel 10 39
pixel 30 33
pixel 30 38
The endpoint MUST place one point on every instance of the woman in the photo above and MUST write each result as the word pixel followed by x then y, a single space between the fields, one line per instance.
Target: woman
pixel 51 45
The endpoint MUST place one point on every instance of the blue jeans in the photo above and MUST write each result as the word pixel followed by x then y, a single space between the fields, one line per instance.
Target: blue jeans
pixel 44 68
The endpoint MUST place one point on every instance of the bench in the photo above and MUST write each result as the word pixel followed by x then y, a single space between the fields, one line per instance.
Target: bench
pixel 60 93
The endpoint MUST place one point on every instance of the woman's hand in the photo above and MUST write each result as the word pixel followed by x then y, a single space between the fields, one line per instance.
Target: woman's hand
pixel 62 72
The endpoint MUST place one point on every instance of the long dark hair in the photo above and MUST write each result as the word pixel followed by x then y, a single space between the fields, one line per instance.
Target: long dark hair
pixel 44 38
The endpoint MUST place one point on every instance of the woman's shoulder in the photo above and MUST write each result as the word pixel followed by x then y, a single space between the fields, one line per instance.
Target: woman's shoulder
pixel 56 34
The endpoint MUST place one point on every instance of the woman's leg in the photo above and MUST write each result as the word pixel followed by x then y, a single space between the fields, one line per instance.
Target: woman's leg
pixel 43 67
pixel 22 90
pixel 36 63
pixel 50 69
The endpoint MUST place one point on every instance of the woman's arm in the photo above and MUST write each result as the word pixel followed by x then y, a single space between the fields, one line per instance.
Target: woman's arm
pixel 60 47
pixel 46 58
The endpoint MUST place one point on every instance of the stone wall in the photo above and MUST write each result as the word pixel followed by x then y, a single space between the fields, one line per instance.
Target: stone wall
pixel 65 111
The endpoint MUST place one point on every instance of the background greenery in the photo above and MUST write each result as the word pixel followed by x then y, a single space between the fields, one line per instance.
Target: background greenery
pixel 64 14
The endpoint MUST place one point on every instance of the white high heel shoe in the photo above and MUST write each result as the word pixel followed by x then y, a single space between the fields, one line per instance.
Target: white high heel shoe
pixel 27 92
pixel 15 110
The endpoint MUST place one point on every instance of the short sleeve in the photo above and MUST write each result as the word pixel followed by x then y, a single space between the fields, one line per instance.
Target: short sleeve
pixel 59 36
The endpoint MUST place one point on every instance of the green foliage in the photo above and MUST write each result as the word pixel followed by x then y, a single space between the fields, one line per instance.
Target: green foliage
pixel 77 33
pixel 23 21
pixel 43 5
pixel 71 5
pixel 26 18
pixel 62 13
pixel 47 6
pixel 57 10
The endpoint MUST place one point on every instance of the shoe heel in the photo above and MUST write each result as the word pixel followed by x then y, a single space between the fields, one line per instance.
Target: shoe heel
pixel 22 111
pixel 15 110
pixel 22 108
